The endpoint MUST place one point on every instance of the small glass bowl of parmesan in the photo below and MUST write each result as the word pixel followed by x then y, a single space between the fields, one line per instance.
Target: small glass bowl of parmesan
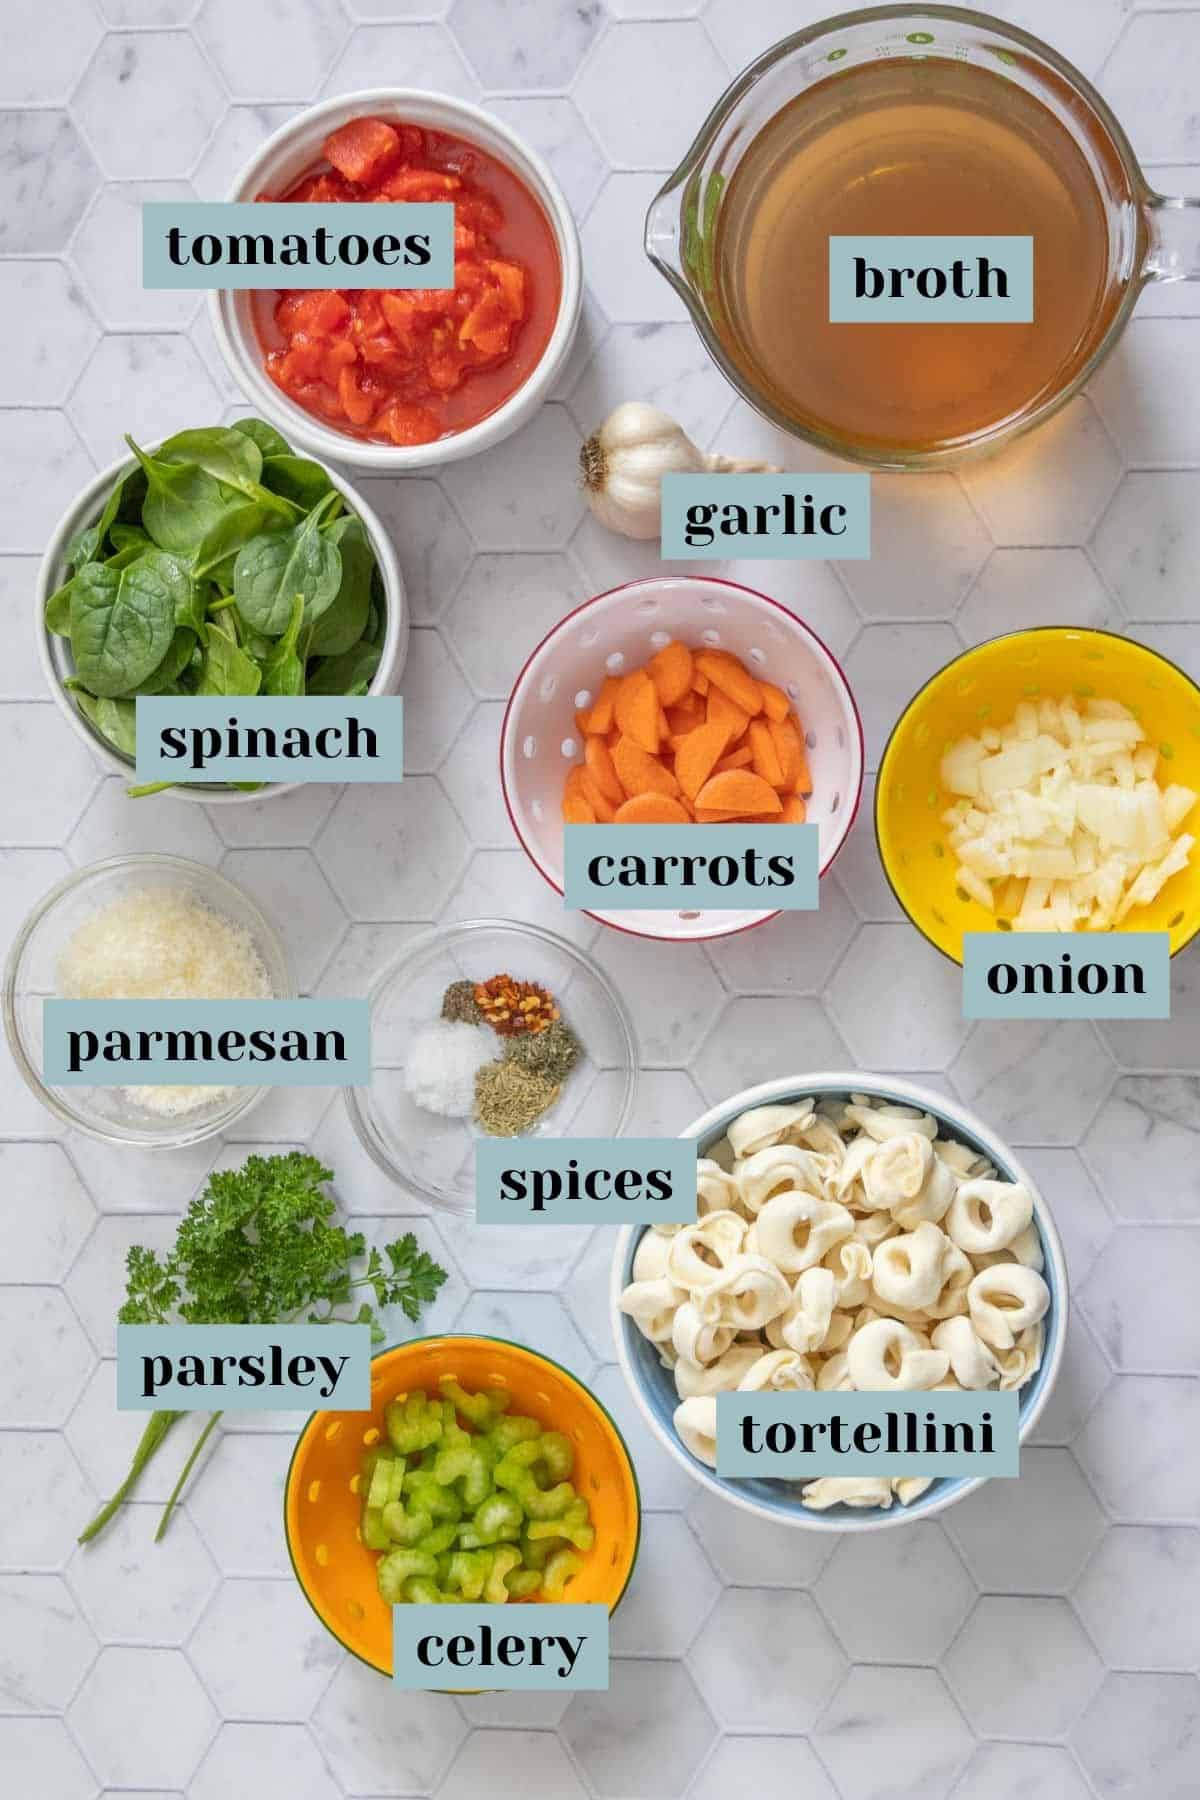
pixel 141 927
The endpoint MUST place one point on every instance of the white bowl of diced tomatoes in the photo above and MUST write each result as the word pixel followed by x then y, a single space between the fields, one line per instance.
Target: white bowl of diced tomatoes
pixel 394 380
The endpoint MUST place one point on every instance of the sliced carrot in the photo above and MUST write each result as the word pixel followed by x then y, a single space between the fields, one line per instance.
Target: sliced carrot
pixel 637 711
pixel 794 811
pixel 766 761
pixel 788 746
pixel 603 808
pixel 601 716
pixel 573 785
pixel 687 715
pixel 699 684
pixel 705 815
pixel 651 809
pixel 776 704
pixel 722 710
pixel 737 759
pixel 738 791
pixel 698 754
pixel 582 721
pixel 640 773
pixel 670 669
pixel 600 768
pixel 576 811
pixel 804 782
pixel 733 678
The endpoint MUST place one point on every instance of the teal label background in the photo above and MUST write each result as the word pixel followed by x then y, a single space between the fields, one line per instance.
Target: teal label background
pixel 680 492
pixel 279 219
pixel 677 1156
pixel 1012 254
pixel 381 713
pixel 351 1017
pixel 581 843
pixel 797 1409
pixel 546 1619
pixel 352 1392
pixel 1149 950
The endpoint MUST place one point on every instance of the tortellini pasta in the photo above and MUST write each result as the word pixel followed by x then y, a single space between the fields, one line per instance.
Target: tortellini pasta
pixel 842 1247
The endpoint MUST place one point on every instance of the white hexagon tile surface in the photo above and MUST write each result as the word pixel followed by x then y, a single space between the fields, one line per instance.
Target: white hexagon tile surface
pixel 1039 1642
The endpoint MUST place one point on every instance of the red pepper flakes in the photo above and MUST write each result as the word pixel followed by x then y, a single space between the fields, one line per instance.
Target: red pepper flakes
pixel 513 1008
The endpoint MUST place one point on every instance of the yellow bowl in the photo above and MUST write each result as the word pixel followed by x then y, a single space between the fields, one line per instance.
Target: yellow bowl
pixel 985 686
pixel 322 1503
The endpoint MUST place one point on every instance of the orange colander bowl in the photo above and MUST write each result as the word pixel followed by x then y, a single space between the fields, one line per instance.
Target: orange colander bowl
pixel 322 1502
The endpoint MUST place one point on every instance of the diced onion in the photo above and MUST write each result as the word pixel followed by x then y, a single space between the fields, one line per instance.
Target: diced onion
pixel 1064 807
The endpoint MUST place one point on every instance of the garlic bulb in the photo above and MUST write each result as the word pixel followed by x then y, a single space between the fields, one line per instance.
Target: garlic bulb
pixel 624 462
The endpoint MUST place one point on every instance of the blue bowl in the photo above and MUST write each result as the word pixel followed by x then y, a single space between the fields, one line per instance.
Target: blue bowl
pixel 653 1387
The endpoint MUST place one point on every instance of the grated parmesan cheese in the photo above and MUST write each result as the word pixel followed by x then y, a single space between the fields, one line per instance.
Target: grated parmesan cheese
pixel 162 944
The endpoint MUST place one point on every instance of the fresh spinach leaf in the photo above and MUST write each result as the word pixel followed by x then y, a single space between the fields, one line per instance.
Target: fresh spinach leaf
pixel 130 537
pixel 296 478
pixel 215 556
pixel 346 674
pixel 122 623
pixel 342 624
pixel 183 503
pixel 269 441
pixel 224 668
pixel 115 720
pixel 272 569
pixel 178 656
pixel 283 669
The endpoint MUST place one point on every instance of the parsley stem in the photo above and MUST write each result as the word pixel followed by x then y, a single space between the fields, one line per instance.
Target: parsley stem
pixel 157 1427
pixel 188 1466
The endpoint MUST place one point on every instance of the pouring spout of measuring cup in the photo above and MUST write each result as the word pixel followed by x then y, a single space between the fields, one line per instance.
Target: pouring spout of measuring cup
pixel 1174 253
pixel 663 237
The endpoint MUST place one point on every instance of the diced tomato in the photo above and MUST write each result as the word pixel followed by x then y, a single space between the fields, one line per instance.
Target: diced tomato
pixel 356 403
pixel 408 424
pixel 339 355
pixel 486 326
pixel 363 149
pixel 315 311
pixel 420 184
pixel 510 278
pixel 465 239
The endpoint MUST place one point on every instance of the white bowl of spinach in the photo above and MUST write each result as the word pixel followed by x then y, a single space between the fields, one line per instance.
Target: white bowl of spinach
pixel 218 562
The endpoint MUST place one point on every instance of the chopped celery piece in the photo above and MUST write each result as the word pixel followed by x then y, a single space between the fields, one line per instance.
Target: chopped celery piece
pixel 481 1409
pixel 507 1432
pixel 498 1517
pixel 406 1526
pixel 522 1583
pixel 422 1591
pixel 562 1568
pixel 505 1558
pixel 395 1569
pixel 414 1423
pixel 374 1531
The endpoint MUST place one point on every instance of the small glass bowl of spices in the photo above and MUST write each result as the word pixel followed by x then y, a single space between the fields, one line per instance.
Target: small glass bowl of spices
pixel 141 927
pixel 489 1028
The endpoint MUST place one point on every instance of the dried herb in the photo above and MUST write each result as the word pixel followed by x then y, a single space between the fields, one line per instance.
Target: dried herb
pixel 508 1100
pixel 510 1007
pixel 458 1003
pixel 552 1053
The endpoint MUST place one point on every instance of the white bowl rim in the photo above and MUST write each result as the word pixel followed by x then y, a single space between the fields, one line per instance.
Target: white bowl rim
pixel 247 1098
pixel 788 1087
pixel 447 112
pixel 660 581
pixel 356 1107
pixel 393 654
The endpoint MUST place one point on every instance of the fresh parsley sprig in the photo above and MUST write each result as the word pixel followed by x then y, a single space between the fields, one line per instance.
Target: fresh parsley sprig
pixel 261 1246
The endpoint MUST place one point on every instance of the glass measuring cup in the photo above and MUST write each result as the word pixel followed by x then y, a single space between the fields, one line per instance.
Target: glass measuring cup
pixel 1150 236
